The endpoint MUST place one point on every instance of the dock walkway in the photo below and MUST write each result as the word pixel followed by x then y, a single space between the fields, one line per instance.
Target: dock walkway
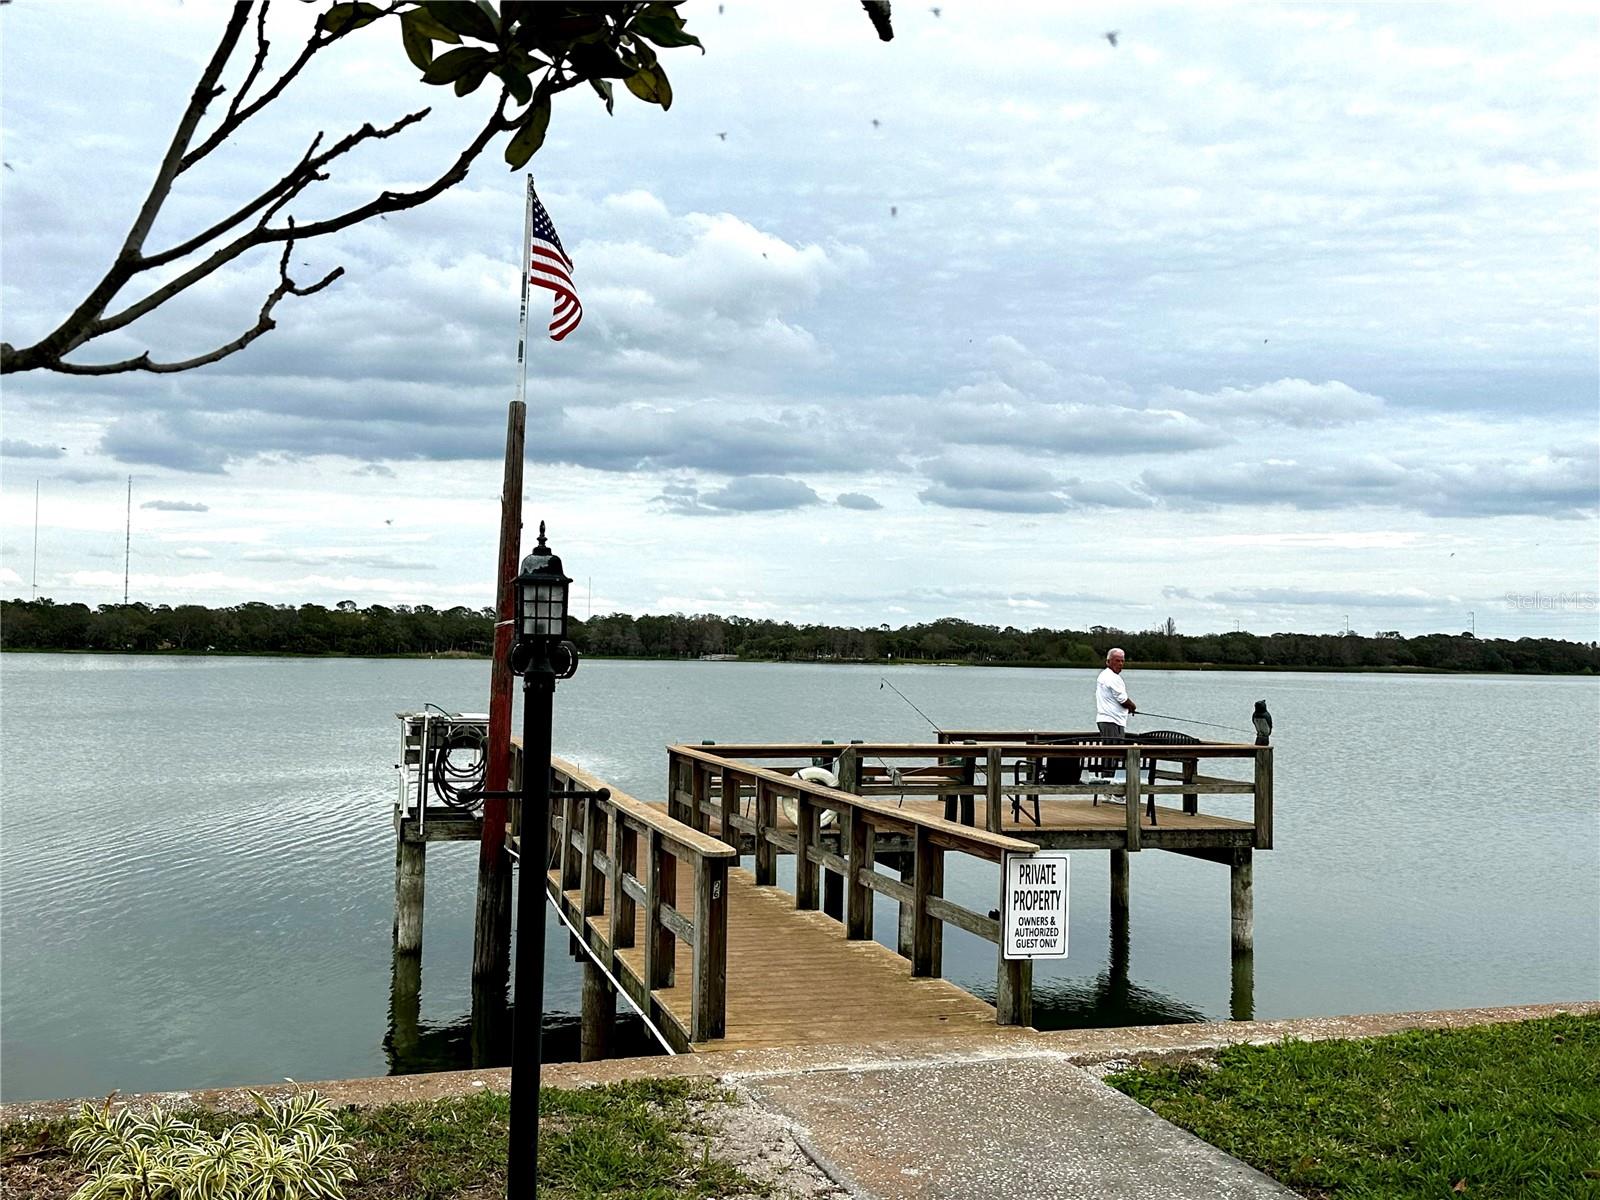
pixel 792 980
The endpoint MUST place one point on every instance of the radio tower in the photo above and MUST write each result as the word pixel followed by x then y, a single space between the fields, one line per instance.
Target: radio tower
pixel 127 541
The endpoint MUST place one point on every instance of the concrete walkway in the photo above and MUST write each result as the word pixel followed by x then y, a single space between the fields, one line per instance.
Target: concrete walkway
pixel 983 1130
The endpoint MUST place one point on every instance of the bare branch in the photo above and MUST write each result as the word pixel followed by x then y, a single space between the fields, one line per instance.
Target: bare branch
pixel 262 235
pixel 388 202
pixel 74 331
pixel 238 114
pixel 264 322
pixel 293 182
pixel 251 224
pixel 255 67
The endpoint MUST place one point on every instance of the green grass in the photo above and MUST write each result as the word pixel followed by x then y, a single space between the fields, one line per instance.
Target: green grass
pixel 1501 1111
pixel 638 1139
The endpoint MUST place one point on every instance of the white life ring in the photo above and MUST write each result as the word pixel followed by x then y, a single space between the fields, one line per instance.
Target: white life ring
pixel 821 775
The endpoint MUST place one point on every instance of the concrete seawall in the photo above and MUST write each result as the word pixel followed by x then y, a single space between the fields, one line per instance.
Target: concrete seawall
pixel 1079 1047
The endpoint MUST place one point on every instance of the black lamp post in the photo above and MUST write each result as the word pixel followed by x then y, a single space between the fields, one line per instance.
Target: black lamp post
pixel 540 653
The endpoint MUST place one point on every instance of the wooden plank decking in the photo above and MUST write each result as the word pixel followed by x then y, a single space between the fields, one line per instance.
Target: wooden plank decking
pixel 793 979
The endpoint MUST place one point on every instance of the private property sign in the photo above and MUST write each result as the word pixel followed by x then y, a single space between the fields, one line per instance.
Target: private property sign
pixel 1034 921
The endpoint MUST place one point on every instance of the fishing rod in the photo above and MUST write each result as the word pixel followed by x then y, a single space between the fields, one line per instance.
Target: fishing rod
pixel 1191 721
pixel 884 683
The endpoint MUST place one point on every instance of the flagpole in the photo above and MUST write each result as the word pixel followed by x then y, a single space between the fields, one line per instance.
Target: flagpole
pixel 522 321
pixel 491 951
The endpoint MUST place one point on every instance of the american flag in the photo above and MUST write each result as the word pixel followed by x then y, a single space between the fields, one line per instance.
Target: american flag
pixel 549 267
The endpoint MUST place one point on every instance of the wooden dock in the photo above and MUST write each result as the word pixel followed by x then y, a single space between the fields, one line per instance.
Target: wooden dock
pixel 824 991
pixel 720 957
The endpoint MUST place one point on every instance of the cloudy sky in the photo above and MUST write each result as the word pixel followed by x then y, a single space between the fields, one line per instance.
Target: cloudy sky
pixel 1268 316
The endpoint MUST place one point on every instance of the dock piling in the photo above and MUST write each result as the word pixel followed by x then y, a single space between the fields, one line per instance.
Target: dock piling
pixel 410 872
pixel 1119 888
pixel 1241 902
pixel 599 1014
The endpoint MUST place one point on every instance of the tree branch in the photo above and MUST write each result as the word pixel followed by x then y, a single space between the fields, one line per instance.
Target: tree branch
pixel 73 331
pixel 263 235
pixel 251 224
pixel 264 323
pixel 239 113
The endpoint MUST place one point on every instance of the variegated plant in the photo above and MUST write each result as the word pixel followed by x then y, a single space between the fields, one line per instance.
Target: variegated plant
pixel 292 1150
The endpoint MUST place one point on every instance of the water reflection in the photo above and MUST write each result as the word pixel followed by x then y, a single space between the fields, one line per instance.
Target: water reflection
pixel 1112 999
pixel 482 1037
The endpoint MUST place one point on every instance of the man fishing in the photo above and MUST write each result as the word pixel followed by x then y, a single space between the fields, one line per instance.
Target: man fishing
pixel 1112 708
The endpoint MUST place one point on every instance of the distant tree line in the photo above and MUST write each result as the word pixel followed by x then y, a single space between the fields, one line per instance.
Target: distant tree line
pixel 253 628
pixel 421 629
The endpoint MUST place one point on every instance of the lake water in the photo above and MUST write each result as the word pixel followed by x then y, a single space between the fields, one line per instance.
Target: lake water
pixel 196 854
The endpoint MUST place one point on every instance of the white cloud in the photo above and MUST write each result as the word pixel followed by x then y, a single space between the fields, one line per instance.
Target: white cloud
pixel 1171 307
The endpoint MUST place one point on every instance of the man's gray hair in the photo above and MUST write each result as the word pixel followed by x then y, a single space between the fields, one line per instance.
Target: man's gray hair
pixel 1114 651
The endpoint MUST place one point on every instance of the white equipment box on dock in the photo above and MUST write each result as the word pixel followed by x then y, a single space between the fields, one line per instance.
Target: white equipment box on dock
pixel 442 760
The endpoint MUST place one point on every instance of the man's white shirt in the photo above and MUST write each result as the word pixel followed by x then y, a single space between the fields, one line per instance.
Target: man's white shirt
pixel 1109 693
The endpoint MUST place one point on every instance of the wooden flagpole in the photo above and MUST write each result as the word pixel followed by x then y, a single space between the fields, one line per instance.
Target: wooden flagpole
pixel 491 950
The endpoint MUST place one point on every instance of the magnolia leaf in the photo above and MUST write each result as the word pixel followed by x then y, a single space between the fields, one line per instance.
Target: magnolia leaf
pixel 418 43
pixel 518 84
pixel 466 19
pixel 426 24
pixel 471 78
pixel 592 60
pixel 643 85
pixel 349 16
pixel 530 137
pixel 603 87
pixel 663 88
pixel 664 31
pixel 450 66
pixel 651 86
pixel 494 18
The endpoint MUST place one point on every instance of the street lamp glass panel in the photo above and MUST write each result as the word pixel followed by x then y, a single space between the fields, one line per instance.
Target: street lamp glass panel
pixel 544 607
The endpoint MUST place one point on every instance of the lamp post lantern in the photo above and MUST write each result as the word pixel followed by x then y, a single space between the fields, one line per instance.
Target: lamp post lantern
pixel 540 653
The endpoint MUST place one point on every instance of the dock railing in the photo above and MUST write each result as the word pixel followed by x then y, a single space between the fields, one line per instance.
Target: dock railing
pixel 1170 769
pixel 966 765
pixel 745 801
pixel 623 858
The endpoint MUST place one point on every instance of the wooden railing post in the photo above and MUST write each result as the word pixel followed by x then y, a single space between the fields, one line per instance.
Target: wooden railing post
pixel 858 858
pixel 766 821
pixel 1263 815
pixel 1013 991
pixel 674 773
pixel 969 800
pixel 660 886
pixel 698 785
pixel 593 897
pixel 905 936
pixel 730 808
pixel 848 770
pixel 805 839
pixel 710 992
pixel 571 859
pixel 927 931
pixel 1131 795
pixel 991 795
pixel 1191 801
pixel 623 848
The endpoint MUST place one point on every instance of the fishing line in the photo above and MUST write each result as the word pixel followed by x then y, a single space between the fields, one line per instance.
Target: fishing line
pixel 1192 721
pixel 884 683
